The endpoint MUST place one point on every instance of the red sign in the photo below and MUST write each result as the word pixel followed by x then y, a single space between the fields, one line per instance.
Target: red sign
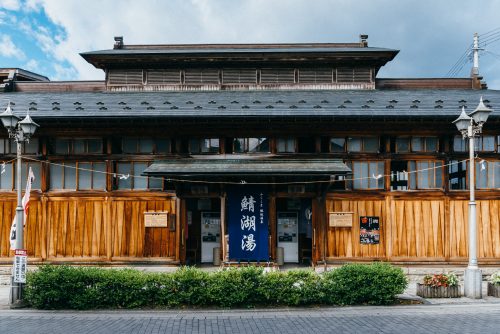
pixel 22 252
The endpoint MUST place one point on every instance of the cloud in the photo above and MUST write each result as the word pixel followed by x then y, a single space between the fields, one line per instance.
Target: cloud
pixel 9 49
pixel 33 65
pixel 10 4
pixel 430 42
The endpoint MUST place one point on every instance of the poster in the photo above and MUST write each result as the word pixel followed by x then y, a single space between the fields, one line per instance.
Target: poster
pixel 369 230
pixel 248 223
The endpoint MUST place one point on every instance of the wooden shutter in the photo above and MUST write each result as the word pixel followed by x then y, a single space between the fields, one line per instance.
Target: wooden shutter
pixel 125 77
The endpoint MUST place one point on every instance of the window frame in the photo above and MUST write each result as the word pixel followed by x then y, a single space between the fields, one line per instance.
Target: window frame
pixel 414 175
pixel 76 167
pixel 201 142
pixel 286 141
pixel 363 140
pixel 246 145
pixel 155 145
pixel 117 173
pixel 70 146
pixel 380 170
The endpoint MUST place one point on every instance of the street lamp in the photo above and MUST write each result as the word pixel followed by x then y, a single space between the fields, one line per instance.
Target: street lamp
pixel 20 131
pixel 472 126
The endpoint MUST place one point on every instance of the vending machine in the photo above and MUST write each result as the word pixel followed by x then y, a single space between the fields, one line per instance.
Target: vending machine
pixel 210 235
pixel 288 224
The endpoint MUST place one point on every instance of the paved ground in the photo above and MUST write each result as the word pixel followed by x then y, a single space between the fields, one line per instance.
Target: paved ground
pixel 482 318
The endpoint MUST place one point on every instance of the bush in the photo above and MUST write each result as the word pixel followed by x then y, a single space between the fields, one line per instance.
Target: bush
pixel 64 287
pixel 495 278
pixel 351 284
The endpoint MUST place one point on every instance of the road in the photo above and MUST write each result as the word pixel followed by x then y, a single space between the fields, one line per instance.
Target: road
pixel 446 318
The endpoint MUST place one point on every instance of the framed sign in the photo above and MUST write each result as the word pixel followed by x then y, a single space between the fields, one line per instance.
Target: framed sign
pixel 340 219
pixel 369 230
pixel 156 219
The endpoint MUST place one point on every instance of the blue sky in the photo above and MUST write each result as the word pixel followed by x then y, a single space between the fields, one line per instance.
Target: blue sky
pixel 46 36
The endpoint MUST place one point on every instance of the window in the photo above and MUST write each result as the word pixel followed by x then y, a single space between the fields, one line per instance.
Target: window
pixel 363 144
pixel 487 174
pixel 134 145
pixel 457 171
pixel 285 145
pixel 8 146
pixel 129 177
pixel 416 175
pixel 416 144
pixel 78 175
pixel 8 177
pixel 337 144
pixel 367 175
pixel 204 145
pixel 78 146
pixel 250 145
pixel 481 144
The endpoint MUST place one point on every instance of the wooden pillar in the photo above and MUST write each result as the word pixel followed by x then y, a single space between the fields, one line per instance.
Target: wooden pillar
pixel 272 225
pixel 223 228
pixel 179 231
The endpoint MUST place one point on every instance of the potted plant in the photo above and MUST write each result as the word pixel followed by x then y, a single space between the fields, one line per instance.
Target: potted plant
pixel 439 286
pixel 494 285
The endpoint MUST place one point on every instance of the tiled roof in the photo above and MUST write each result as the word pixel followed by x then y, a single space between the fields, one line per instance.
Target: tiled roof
pixel 230 104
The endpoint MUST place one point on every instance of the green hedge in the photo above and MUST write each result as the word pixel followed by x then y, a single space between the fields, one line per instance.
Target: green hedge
pixel 65 287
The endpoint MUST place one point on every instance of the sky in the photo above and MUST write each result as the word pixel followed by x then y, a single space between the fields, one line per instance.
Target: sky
pixel 433 36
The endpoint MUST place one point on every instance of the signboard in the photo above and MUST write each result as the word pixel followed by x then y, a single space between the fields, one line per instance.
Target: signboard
pixel 369 230
pixel 156 219
pixel 340 219
pixel 248 223
pixel 20 265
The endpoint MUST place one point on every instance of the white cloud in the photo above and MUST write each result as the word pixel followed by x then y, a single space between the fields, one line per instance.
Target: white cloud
pixel 430 42
pixel 9 49
pixel 10 4
pixel 32 65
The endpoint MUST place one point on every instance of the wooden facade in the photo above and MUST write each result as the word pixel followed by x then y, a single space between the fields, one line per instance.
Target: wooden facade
pixel 323 104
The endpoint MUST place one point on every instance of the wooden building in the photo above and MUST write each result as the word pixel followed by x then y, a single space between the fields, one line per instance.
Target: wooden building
pixel 147 166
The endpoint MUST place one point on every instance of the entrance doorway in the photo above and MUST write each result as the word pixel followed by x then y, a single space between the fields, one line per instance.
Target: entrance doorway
pixel 204 229
pixel 294 229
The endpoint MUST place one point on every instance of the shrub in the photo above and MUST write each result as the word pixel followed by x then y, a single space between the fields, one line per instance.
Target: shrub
pixel 64 287
pixel 363 284
pixel 495 278
pixel 438 280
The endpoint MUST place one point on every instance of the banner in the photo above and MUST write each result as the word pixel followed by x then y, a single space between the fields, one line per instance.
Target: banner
pixel 26 204
pixel 248 212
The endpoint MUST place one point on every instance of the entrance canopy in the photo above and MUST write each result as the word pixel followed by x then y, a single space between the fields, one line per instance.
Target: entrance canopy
pixel 199 167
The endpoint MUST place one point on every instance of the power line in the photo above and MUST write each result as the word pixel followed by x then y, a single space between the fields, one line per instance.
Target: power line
pixel 460 62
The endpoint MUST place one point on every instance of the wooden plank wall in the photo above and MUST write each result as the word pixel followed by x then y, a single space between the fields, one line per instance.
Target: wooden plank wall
pixel 94 228
pixel 415 230
pixel 344 242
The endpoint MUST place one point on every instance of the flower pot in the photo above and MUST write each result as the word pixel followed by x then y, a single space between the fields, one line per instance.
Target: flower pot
pixel 493 290
pixel 427 291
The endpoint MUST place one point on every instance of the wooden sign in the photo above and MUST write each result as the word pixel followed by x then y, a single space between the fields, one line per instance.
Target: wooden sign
pixel 156 219
pixel 340 219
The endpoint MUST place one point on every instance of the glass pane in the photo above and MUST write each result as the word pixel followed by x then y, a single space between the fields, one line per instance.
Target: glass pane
pixel 412 175
pixel 146 145
pixel 354 144
pixel 3 145
pixel 56 177
pixel 380 169
pixel 35 166
pixel 156 182
pixel 124 168
pixel 84 176
pixel 431 144
pixel 214 145
pixel 438 174
pixel 371 144
pixel 129 145
pixel 140 182
pixel 423 175
pixel 162 146
pixel 488 143
pixel 239 145
pixel 94 145
pixel 496 175
pixel 99 179
pixel 482 175
pixel 281 145
pixel 459 144
pixel 356 167
pixel 402 144
pixel 70 175
pixel 13 147
pixel 416 144
pixel 6 178
pixel 32 146
pixel 79 146
pixel 205 145
pixel 263 145
pixel 194 145
pixel 62 146
pixel 364 175
pixel 337 144
pixel 253 144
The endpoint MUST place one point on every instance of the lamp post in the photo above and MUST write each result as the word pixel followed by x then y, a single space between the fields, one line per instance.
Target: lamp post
pixel 20 131
pixel 470 127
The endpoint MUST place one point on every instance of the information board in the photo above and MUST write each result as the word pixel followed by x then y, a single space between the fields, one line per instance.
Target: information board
pixel 156 219
pixel 369 230
pixel 340 219
pixel 20 265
